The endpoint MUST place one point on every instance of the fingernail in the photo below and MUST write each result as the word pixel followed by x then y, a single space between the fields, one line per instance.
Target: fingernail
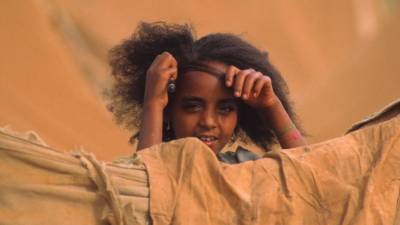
pixel 228 83
pixel 245 96
pixel 255 94
pixel 237 93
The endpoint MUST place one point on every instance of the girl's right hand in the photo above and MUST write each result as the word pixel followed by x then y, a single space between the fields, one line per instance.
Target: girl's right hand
pixel 163 69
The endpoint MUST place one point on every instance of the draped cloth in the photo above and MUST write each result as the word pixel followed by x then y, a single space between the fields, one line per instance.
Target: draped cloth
pixel 43 186
pixel 354 179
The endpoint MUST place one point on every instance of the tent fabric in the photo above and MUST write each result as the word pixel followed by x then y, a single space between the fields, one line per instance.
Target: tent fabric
pixel 40 185
pixel 384 114
pixel 354 179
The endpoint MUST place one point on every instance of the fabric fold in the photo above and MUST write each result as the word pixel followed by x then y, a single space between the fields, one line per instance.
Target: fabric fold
pixel 353 179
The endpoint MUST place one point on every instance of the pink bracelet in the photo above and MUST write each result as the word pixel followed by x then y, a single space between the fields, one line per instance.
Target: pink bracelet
pixel 291 129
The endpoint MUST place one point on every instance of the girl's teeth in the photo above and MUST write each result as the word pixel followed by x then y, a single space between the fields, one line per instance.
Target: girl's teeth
pixel 207 138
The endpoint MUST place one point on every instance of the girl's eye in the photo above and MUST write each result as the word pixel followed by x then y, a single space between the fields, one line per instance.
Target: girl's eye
pixel 192 106
pixel 227 108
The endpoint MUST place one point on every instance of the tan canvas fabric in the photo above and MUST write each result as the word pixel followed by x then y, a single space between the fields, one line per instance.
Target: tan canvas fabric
pixel 41 186
pixel 353 179
pixel 383 114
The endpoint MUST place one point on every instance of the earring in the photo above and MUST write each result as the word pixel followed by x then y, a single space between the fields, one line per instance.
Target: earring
pixel 168 133
pixel 171 86
pixel 167 126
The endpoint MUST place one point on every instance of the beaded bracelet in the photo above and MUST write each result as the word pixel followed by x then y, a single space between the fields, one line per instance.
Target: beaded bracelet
pixel 291 129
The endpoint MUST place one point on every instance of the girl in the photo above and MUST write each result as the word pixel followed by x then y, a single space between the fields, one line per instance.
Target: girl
pixel 225 89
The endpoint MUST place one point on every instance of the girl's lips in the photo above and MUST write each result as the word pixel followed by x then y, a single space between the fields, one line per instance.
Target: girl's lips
pixel 209 143
pixel 208 140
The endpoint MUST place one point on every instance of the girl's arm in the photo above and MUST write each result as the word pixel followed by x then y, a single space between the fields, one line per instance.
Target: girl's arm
pixel 287 133
pixel 151 126
pixel 163 69
pixel 256 90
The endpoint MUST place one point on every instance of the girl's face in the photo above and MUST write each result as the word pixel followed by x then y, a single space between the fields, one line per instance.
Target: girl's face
pixel 204 107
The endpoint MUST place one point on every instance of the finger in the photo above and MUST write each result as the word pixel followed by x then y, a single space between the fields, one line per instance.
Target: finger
pixel 166 65
pixel 154 65
pixel 164 78
pixel 167 60
pixel 239 81
pixel 230 75
pixel 173 72
pixel 170 73
pixel 249 84
pixel 261 82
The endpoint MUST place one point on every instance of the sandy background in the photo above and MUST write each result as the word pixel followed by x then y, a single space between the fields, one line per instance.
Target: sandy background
pixel 341 59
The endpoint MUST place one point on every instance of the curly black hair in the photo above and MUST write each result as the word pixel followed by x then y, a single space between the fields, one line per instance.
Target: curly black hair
pixel 131 59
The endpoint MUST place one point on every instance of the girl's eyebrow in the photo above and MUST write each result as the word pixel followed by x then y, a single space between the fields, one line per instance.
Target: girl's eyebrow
pixel 191 98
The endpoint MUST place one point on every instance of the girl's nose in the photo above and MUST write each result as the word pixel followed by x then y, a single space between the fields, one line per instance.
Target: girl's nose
pixel 208 119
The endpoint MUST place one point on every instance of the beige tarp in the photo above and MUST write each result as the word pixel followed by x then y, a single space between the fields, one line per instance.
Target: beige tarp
pixel 354 179
pixel 41 186
pixel 350 180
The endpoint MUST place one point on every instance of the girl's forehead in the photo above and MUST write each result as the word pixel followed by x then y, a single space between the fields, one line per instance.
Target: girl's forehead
pixel 203 83
pixel 218 67
pixel 215 68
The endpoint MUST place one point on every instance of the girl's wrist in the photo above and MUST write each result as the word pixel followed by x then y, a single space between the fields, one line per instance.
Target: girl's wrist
pixel 289 130
pixel 153 106
pixel 272 105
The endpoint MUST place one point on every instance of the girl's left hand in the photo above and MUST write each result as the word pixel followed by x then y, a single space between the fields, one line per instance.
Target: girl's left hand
pixel 253 87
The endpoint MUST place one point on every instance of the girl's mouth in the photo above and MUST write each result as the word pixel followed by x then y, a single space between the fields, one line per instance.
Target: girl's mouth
pixel 208 140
